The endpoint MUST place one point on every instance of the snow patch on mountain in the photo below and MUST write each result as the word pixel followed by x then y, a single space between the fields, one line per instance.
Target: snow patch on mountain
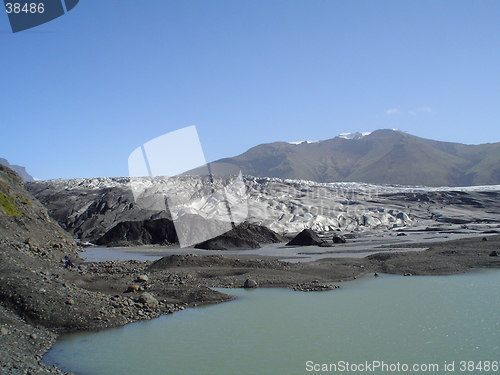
pixel 355 135
pixel 303 142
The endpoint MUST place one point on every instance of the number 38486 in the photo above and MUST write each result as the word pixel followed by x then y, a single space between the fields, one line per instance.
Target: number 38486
pixel 472 366
pixel 24 8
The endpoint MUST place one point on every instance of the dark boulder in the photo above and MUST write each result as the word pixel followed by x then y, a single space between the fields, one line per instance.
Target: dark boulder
pixel 249 283
pixel 494 253
pixel 338 239
pixel 306 238
pixel 243 236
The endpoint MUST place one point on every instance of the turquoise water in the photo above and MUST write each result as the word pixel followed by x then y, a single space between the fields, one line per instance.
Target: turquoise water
pixel 411 320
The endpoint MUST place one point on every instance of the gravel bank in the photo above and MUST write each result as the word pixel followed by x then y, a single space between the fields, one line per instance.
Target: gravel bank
pixel 40 298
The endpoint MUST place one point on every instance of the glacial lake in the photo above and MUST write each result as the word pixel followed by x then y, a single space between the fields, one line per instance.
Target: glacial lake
pixel 419 320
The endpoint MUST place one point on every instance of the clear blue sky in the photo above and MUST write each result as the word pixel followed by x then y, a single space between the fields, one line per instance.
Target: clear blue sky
pixel 80 93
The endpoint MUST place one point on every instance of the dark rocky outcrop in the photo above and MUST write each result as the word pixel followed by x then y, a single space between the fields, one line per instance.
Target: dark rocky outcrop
pixel 134 233
pixel 162 232
pixel 227 242
pixel 307 237
pixel 243 236
pixel 88 208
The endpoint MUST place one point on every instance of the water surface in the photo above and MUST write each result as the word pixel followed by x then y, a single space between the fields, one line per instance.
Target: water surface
pixel 410 320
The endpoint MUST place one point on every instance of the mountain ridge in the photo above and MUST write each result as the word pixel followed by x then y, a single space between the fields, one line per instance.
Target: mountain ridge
pixel 21 171
pixel 382 157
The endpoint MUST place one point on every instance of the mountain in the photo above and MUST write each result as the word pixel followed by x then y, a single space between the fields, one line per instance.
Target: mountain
pixel 380 157
pixel 21 171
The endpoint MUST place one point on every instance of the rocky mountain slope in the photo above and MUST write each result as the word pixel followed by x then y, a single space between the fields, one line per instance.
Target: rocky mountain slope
pixel 380 157
pixel 24 221
pixel 21 171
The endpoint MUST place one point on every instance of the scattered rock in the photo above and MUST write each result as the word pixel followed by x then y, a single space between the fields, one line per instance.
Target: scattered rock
pixel 31 242
pixel 4 331
pixel 147 299
pixel 132 288
pixel 485 239
pixel 315 286
pixel 142 278
pixel 494 253
pixel 249 283
pixel 70 301
pixel 402 234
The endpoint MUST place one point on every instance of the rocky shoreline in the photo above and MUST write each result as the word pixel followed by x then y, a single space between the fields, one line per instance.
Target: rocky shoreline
pixel 41 298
